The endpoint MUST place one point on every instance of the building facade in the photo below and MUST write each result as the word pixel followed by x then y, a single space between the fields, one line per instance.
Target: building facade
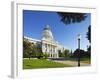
pixel 48 44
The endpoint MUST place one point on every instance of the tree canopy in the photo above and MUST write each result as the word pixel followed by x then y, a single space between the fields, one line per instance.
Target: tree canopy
pixel 30 50
pixel 27 49
pixel 69 17
pixel 89 33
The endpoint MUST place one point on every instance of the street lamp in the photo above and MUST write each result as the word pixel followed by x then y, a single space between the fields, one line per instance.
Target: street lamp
pixel 79 37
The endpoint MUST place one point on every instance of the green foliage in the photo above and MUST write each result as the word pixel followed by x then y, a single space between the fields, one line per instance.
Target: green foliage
pixel 45 56
pixel 89 38
pixel 65 53
pixel 39 55
pixel 89 51
pixel 81 53
pixel 38 52
pixel 31 50
pixel 27 49
pixel 68 18
pixel 60 53
pixel 89 33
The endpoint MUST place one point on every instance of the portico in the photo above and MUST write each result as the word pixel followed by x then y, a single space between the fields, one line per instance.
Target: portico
pixel 50 49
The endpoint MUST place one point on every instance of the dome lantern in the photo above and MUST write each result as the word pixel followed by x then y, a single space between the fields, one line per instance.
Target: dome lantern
pixel 47 34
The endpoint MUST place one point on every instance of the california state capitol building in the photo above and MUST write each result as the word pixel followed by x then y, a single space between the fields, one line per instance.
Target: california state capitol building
pixel 48 44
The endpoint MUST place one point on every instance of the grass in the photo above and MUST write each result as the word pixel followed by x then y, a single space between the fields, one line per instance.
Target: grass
pixel 41 63
pixel 86 60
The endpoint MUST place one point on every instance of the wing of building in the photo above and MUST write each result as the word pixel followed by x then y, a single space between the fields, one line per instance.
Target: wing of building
pixel 48 44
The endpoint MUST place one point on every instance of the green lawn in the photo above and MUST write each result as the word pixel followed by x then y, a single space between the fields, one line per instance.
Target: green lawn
pixel 86 60
pixel 41 63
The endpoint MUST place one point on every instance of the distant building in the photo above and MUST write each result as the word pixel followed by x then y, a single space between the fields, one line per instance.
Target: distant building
pixel 47 43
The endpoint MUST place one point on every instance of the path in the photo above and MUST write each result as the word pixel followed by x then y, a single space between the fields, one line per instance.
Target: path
pixel 72 63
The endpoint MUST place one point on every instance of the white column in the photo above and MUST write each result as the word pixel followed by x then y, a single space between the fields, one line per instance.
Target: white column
pixel 51 50
pixel 47 48
pixel 43 47
pixel 57 52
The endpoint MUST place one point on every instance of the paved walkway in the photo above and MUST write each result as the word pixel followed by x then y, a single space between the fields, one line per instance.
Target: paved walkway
pixel 72 63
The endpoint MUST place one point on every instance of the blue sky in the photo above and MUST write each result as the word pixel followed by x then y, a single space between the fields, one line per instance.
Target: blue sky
pixel 66 35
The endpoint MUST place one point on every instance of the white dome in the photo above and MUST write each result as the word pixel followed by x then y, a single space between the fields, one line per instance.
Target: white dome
pixel 47 34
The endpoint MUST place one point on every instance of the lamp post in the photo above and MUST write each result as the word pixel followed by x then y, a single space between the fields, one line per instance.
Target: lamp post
pixel 79 37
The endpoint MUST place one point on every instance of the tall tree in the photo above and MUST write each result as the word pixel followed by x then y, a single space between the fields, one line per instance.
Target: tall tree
pixel 89 38
pixel 69 17
pixel 89 33
pixel 39 53
pixel 66 52
pixel 79 53
pixel 27 49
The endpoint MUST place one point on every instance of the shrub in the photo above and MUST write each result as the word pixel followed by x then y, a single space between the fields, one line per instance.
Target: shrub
pixel 45 56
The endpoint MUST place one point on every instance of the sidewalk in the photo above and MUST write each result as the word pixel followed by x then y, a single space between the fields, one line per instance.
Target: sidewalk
pixel 72 63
